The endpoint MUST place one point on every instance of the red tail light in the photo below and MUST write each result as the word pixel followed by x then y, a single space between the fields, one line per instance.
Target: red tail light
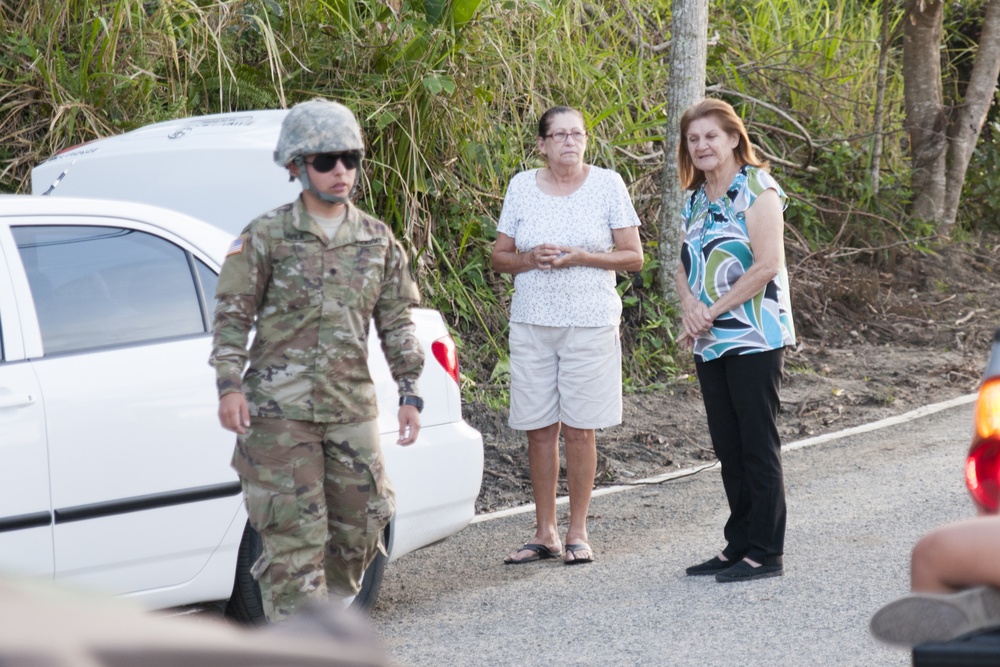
pixel 444 351
pixel 982 467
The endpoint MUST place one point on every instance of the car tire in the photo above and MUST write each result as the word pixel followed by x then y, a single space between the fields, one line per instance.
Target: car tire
pixel 372 582
pixel 245 605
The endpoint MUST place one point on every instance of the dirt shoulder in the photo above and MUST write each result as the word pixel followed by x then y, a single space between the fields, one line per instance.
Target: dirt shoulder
pixel 873 342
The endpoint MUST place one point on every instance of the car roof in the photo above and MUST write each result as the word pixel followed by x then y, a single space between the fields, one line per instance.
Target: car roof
pixel 209 239
pixel 252 129
pixel 219 168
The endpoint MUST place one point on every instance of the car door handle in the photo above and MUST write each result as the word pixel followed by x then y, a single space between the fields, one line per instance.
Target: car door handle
pixel 16 401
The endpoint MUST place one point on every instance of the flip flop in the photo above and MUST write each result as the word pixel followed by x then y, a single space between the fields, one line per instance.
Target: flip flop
pixel 539 552
pixel 577 560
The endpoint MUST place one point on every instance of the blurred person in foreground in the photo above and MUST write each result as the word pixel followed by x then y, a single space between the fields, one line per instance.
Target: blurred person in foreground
pixel 52 625
pixel 564 231
pixel 955 568
pixel 310 276
pixel 955 584
pixel 737 319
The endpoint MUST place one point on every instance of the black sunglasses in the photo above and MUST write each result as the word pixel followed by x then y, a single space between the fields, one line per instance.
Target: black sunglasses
pixel 325 162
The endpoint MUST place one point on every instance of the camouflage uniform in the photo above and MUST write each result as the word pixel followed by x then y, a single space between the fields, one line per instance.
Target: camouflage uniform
pixel 311 465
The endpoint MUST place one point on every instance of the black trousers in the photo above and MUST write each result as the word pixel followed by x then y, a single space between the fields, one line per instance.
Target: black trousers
pixel 741 402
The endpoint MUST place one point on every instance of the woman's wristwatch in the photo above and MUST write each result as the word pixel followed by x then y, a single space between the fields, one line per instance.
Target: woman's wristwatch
pixel 415 401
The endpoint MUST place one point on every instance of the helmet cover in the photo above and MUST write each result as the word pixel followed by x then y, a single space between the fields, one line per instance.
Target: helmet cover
pixel 317 126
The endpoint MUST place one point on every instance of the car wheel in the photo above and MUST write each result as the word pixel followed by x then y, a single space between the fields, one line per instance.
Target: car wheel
pixel 372 581
pixel 245 605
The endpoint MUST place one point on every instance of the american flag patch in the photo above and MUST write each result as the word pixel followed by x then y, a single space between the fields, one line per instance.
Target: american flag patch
pixel 236 247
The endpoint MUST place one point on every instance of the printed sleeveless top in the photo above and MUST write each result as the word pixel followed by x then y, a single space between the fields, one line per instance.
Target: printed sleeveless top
pixel 716 252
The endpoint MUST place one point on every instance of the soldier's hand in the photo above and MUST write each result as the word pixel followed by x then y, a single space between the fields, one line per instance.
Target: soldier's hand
pixel 234 415
pixel 409 425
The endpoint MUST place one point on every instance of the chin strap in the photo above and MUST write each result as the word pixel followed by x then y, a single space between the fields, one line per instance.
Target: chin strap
pixel 300 162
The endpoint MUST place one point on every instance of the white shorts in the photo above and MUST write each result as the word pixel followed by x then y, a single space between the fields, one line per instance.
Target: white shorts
pixel 571 375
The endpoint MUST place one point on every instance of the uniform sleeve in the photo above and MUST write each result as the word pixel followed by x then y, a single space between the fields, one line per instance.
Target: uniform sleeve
pixel 622 212
pixel 394 321
pixel 239 292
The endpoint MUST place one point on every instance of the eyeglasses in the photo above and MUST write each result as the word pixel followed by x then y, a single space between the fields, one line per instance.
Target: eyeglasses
pixel 561 136
pixel 326 162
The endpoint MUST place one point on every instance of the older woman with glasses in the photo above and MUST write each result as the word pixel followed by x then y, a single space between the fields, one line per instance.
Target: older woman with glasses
pixel 733 288
pixel 564 231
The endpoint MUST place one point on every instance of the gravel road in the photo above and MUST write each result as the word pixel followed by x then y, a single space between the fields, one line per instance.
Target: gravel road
pixel 856 505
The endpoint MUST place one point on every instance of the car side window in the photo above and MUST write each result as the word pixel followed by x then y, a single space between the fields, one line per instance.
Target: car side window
pixel 104 286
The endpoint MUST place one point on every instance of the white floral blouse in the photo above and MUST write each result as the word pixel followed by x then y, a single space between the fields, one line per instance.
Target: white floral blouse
pixel 578 296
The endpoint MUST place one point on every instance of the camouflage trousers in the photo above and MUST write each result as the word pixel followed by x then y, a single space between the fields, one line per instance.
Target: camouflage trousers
pixel 320 499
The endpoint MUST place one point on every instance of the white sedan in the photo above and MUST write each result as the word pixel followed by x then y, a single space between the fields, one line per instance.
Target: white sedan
pixel 114 472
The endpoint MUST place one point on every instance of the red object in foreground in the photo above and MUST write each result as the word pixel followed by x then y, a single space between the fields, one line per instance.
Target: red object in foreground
pixel 446 354
pixel 982 467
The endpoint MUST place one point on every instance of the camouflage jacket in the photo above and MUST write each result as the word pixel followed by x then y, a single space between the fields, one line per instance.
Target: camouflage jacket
pixel 312 301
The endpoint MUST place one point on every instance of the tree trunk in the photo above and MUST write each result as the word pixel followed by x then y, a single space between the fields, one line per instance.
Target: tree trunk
pixel 879 114
pixel 926 119
pixel 688 54
pixel 969 119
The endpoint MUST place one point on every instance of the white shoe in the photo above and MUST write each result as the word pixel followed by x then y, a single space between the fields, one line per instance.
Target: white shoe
pixel 918 618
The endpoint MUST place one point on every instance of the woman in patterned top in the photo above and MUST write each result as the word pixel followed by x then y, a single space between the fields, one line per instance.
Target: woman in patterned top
pixel 733 288
pixel 564 231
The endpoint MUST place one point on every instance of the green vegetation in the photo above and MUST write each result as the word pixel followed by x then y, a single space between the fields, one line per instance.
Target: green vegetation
pixel 449 92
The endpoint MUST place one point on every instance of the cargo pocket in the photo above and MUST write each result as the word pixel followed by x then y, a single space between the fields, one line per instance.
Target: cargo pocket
pixel 381 503
pixel 274 513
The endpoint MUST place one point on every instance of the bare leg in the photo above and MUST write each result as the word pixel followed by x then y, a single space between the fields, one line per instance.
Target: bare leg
pixel 543 464
pixel 955 578
pixel 956 556
pixel 581 467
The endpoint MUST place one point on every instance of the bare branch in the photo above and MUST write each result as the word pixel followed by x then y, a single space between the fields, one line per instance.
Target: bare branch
pixel 636 40
pixel 849 252
pixel 719 88
pixel 864 214
pixel 774 159
pixel 655 155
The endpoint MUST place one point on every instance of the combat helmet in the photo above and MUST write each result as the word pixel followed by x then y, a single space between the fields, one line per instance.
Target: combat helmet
pixel 317 126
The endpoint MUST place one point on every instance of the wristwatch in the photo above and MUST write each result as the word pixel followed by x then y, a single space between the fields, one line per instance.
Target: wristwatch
pixel 415 401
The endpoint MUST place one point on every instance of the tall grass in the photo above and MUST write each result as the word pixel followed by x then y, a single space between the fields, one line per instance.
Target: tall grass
pixel 448 93
pixel 804 72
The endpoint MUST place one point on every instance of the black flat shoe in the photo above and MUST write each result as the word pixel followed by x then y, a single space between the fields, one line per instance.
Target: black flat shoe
pixel 713 566
pixel 744 571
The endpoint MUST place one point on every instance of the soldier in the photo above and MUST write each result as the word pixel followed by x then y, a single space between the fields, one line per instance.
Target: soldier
pixel 310 275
